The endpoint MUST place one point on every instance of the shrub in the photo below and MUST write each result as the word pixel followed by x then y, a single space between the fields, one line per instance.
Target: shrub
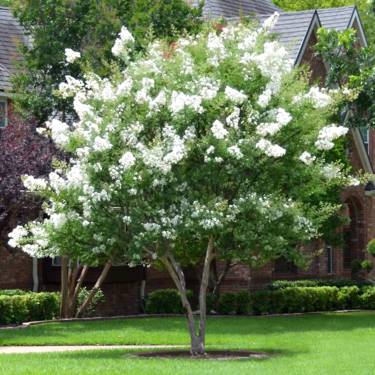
pixel 371 247
pixel 235 303
pixel 348 297
pixel 281 284
pixel 295 300
pixel 97 299
pixel 165 301
pixel 212 301
pixel 243 303
pixel 367 299
pixel 29 306
pixel 227 303
pixel 13 292
pixel 367 265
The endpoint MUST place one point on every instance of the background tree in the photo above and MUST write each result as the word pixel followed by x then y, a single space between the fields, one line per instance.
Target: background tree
pixel 89 27
pixel 207 146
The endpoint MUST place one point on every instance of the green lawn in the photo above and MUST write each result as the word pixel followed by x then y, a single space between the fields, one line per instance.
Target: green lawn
pixel 342 344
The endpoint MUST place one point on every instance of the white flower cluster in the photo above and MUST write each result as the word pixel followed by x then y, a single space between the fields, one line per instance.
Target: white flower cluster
pixel 328 134
pixel 319 97
pixel 71 56
pixel 282 118
pixel 270 149
pixel 307 158
pixel 122 43
pixel 33 184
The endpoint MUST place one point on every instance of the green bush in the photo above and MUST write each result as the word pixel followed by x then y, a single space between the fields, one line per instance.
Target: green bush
pixel 28 306
pixel 13 292
pixel 234 303
pixel 97 299
pixel 367 299
pixel 212 302
pixel 244 303
pixel 371 247
pixel 227 303
pixel 281 284
pixel 295 300
pixel 165 301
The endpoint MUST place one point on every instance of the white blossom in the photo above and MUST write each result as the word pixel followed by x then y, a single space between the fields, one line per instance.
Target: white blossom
pixel 234 118
pixel 307 158
pixel 127 160
pixel 270 149
pixel 218 130
pixel 34 184
pixel 71 56
pixel 235 151
pixel 234 95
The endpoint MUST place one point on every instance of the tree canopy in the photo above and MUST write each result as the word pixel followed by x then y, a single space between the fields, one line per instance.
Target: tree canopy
pixel 89 27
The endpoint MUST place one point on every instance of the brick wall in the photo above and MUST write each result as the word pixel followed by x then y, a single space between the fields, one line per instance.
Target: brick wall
pixel 15 269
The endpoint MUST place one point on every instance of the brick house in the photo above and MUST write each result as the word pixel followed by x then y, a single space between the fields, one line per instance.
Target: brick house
pixel 125 286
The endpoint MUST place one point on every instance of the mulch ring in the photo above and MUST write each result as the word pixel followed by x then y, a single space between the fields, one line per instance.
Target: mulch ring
pixel 222 355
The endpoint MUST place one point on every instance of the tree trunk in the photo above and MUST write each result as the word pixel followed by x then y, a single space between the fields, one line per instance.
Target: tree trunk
pixel 197 347
pixel 95 289
pixel 64 304
pixel 75 288
pixel 219 280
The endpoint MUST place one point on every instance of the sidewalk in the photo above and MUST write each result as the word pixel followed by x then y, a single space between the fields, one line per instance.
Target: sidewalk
pixel 74 348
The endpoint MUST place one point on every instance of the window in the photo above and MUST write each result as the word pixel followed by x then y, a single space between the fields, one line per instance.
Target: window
pixel 56 262
pixel 329 254
pixel 365 133
pixel 283 266
pixel 3 113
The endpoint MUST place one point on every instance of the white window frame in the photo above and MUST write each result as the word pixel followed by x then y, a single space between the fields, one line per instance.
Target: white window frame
pixel 5 100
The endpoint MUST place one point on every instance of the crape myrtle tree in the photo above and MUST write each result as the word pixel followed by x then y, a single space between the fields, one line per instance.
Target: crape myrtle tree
pixel 203 147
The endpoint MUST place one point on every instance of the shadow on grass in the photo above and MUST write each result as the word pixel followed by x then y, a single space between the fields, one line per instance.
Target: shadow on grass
pixel 117 354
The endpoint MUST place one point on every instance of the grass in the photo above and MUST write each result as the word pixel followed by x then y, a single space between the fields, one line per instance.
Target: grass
pixel 311 344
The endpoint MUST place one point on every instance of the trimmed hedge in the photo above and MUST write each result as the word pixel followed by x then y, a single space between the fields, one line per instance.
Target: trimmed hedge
pixel 13 292
pixel 282 284
pixel 15 309
pixel 165 301
pixel 279 301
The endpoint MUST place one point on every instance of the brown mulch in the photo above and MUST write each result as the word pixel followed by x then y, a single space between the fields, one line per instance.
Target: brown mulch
pixel 211 354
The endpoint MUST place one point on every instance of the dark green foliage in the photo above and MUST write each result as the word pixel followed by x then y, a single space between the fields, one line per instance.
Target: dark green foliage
pixel 367 299
pixel 349 297
pixel 165 301
pixel 12 292
pixel 91 28
pixel 227 303
pixel 97 299
pixel 371 247
pixel 295 300
pixel 281 284
pixel 234 303
pixel 28 307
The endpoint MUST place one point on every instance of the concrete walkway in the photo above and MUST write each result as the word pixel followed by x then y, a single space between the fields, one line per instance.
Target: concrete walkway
pixel 74 348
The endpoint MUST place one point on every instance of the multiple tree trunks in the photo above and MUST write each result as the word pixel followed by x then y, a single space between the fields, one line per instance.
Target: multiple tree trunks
pixel 197 337
pixel 72 278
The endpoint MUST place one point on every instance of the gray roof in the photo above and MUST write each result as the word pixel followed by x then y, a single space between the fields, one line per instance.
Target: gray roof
pixel 11 36
pixel 237 8
pixel 336 18
pixel 292 29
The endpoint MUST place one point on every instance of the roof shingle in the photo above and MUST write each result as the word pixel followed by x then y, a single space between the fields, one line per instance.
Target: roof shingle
pixel 11 36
